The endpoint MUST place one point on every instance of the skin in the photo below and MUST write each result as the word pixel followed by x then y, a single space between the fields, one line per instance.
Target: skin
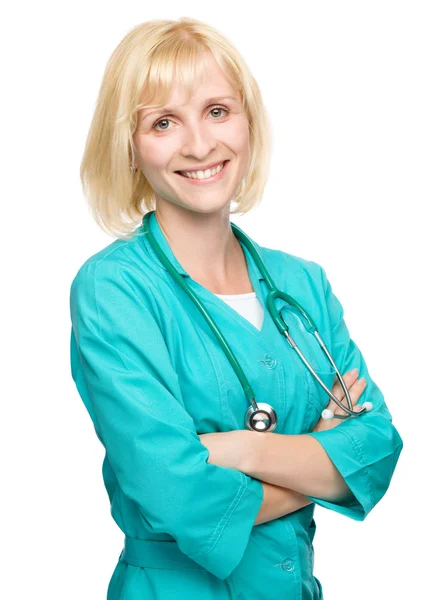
pixel 315 475
pixel 196 222
pixel 196 219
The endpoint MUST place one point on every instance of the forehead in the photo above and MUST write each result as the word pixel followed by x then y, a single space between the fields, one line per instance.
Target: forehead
pixel 191 81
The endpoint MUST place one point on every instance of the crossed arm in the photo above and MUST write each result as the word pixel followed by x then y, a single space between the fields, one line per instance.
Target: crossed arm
pixel 294 465
pixel 289 466
pixel 296 462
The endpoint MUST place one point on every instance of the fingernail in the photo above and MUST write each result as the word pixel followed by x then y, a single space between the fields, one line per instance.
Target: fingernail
pixel 354 371
pixel 362 381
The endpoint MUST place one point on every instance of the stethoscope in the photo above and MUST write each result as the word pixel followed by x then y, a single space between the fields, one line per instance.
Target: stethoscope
pixel 261 416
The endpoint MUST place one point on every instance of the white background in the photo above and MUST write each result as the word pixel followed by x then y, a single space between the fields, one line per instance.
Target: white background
pixel 349 87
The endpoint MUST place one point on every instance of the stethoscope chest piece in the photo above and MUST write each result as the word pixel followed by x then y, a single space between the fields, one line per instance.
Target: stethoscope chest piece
pixel 263 417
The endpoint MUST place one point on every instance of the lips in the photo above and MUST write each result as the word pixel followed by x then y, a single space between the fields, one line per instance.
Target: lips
pixel 180 172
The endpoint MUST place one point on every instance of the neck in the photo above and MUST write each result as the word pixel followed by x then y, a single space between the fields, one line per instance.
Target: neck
pixel 204 244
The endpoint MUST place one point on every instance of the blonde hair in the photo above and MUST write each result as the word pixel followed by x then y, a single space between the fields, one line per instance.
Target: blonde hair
pixel 141 68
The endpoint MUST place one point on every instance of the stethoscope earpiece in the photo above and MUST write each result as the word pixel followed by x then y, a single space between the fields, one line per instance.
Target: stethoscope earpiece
pixel 328 414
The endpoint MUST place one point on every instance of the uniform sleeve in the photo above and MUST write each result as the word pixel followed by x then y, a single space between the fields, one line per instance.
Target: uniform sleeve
pixel 364 449
pixel 135 403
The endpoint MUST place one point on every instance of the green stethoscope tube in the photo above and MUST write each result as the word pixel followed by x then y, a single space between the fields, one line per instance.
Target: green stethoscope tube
pixel 253 419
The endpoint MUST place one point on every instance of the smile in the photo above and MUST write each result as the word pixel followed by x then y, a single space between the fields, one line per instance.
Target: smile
pixel 204 177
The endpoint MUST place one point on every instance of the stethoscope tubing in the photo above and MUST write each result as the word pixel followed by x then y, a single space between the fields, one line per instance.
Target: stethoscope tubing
pixel 283 326
pixel 277 319
pixel 248 391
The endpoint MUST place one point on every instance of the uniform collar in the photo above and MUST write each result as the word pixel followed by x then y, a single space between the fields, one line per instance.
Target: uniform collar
pixel 155 228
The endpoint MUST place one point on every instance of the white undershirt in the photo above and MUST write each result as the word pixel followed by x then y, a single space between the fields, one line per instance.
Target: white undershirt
pixel 247 305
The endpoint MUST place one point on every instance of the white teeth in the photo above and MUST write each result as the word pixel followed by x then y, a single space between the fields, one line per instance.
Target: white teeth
pixel 203 174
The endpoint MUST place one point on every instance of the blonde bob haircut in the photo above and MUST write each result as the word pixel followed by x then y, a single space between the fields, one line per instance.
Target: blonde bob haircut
pixel 142 68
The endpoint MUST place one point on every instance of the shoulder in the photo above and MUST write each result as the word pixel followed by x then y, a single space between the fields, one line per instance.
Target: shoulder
pixel 121 268
pixel 286 265
pixel 112 260
pixel 303 279
pixel 121 278
pixel 306 282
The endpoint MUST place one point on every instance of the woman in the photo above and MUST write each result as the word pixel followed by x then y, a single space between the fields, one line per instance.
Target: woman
pixel 209 508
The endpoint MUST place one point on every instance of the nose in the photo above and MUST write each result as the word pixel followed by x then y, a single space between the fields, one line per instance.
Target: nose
pixel 198 140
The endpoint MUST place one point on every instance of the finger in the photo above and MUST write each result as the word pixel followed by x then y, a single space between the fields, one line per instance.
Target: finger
pixel 349 378
pixel 355 389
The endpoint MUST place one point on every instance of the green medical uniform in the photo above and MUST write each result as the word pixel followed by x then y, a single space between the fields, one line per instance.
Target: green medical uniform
pixel 153 377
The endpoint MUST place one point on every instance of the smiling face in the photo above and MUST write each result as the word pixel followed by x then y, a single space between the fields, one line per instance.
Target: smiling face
pixel 210 128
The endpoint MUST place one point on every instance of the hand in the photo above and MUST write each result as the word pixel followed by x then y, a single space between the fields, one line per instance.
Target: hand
pixel 355 389
pixel 227 448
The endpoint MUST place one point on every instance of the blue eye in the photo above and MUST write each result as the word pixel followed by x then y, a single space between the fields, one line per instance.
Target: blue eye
pixel 165 119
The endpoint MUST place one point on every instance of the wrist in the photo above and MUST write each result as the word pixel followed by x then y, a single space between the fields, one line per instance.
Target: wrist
pixel 251 450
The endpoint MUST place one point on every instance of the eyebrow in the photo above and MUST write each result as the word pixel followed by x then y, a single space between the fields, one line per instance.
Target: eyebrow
pixel 170 109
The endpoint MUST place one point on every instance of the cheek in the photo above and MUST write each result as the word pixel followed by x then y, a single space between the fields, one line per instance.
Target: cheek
pixel 240 138
pixel 153 156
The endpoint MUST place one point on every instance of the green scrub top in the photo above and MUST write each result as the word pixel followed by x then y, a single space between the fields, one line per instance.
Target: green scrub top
pixel 152 377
